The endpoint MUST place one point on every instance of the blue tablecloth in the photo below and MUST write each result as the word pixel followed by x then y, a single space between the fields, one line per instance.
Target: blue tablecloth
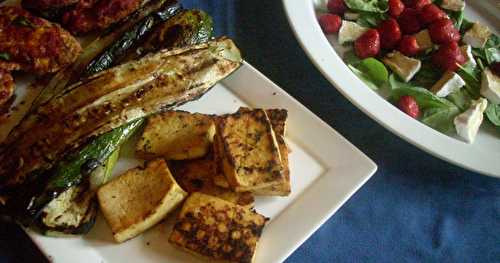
pixel 416 208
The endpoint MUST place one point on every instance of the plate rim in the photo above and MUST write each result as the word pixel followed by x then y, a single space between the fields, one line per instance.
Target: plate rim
pixel 326 210
pixel 414 132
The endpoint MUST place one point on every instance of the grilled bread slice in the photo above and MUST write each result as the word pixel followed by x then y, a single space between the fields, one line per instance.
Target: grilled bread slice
pixel 249 150
pixel 215 229
pixel 197 176
pixel 176 135
pixel 139 199
pixel 278 119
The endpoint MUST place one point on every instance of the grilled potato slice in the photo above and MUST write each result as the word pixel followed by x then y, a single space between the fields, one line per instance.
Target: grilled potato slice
pixel 215 229
pixel 176 135
pixel 278 122
pixel 197 176
pixel 249 150
pixel 139 199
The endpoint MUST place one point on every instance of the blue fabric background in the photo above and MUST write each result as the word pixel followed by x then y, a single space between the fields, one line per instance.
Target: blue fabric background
pixel 416 208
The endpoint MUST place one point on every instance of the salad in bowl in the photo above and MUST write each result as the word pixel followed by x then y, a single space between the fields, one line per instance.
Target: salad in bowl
pixel 424 56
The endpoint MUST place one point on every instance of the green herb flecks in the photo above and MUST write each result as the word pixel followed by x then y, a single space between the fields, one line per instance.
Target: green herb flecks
pixel 23 21
pixel 4 56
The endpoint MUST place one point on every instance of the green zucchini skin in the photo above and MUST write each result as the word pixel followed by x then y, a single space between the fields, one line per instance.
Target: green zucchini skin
pixel 71 171
pixel 74 211
pixel 130 38
pixel 188 27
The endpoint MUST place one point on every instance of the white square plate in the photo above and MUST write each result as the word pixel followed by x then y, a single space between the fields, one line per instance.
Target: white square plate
pixel 325 171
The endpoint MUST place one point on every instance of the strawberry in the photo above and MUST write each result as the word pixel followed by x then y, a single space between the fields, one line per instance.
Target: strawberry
pixel 431 13
pixel 443 31
pixel 390 34
pixel 330 23
pixel 417 4
pixel 448 57
pixel 409 105
pixel 409 22
pixel 368 44
pixel 408 46
pixel 396 7
pixel 336 7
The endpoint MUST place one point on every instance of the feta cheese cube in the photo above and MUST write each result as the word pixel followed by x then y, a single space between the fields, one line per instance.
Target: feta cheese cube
pixel 477 36
pixel 449 83
pixel 351 16
pixel 350 31
pixel 467 124
pixel 490 86
pixel 453 5
pixel 424 39
pixel 405 67
pixel 467 50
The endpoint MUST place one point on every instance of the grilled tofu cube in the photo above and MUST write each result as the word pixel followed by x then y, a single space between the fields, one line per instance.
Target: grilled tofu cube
pixel 176 135
pixel 197 176
pixel 139 199
pixel 278 119
pixel 215 229
pixel 249 150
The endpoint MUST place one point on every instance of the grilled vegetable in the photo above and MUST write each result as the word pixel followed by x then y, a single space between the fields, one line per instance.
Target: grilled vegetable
pixel 74 211
pixel 110 99
pixel 189 27
pixel 129 39
pixel 71 172
pixel 60 81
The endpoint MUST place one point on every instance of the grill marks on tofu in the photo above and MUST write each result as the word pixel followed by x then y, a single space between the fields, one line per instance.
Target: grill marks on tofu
pixel 282 186
pixel 278 119
pixel 216 229
pixel 176 135
pixel 250 154
pixel 197 176
pixel 139 199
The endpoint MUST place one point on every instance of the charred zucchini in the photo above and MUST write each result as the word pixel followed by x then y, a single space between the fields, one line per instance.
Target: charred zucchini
pixel 71 172
pixel 130 39
pixel 59 82
pixel 189 27
pixel 74 211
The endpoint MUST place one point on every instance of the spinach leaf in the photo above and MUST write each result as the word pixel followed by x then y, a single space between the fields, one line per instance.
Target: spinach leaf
pixel 369 19
pixel 457 17
pixel 427 75
pixel 466 25
pixel 461 98
pixel 350 58
pixel 364 77
pixel 441 119
pixel 5 56
pixel 437 113
pixel 375 70
pixel 491 51
pixel 493 113
pixel 375 6
pixel 472 78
